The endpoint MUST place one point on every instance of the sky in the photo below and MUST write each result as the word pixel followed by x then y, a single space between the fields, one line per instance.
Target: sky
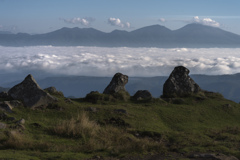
pixel 42 16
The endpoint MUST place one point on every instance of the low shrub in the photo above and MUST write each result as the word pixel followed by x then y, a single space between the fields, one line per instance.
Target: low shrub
pixel 122 95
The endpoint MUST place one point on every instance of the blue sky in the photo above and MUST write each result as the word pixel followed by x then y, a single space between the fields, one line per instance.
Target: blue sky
pixel 41 16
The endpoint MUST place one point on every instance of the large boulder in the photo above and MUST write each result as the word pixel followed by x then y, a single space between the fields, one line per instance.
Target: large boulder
pixel 117 84
pixel 30 93
pixel 180 84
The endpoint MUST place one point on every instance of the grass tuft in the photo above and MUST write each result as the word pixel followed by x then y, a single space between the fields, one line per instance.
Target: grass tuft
pixel 81 127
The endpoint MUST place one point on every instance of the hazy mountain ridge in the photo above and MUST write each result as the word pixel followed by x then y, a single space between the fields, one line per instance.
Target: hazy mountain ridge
pixel 191 35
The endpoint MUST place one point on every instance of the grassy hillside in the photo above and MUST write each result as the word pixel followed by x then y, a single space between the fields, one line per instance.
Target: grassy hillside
pixel 118 126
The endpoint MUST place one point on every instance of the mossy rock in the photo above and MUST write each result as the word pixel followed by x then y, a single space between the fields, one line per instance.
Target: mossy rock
pixel 122 95
pixel 95 97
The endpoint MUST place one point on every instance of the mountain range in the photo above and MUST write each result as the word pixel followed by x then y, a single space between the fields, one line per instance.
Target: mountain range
pixel 190 36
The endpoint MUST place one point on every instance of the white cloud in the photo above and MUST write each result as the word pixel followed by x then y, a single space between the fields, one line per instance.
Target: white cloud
pixel 118 22
pixel 206 21
pixel 162 20
pixel 83 21
pixel 128 25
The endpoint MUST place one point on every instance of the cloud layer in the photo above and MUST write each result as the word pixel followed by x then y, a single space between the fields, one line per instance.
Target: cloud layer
pixel 100 61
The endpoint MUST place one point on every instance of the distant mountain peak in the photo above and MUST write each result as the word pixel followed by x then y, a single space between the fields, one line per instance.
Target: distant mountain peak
pixel 119 31
pixel 155 27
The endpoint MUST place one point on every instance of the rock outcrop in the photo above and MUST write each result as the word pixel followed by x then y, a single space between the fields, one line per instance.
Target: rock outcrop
pixel 9 105
pixel 29 92
pixel 53 91
pixel 142 94
pixel 117 84
pixel 180 83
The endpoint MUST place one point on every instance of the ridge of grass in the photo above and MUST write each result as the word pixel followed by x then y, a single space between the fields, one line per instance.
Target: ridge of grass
pixel 109 126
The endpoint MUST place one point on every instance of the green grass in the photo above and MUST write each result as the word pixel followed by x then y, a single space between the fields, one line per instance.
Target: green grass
pixel 198 123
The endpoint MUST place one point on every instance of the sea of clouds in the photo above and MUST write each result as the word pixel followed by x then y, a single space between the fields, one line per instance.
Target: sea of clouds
pixel 100 61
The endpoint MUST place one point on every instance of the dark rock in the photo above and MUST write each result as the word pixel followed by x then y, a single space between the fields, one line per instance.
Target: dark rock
pixel 11 119
pixel 30 93
pixel 117 84
pixel 180 84
pixel 142 94
pixel 9 105
pixel 5 106
pixel 91 109
pixel 15 103
pixel 3 116
pixel 54 106
pixel 123 111
pixel 4 95
pixel 117 122
pixel 53 90
pixel 36 125
pixel 227 106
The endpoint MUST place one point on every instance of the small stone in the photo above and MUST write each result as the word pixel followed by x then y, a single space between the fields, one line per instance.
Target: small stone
pixel 67 100
pixel 21 121
pixel 2 125
pixel 123 111
pixel 92 109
